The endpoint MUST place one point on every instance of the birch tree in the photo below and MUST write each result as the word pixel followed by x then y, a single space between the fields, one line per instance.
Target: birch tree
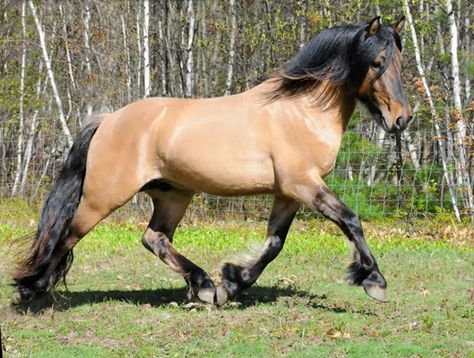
pixel 19 151
pixel 47 62
pixel 468 50
pixel 208 48
pixel 434 114
pixel 233 35
pixel 87 46
pixel 139 52
pixel 146 48
pixel 127 58
pixel 461 134
pixel 189 50
pixel 66 48
pixel 40 89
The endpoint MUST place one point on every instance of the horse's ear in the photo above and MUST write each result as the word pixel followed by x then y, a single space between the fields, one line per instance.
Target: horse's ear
pixel 398 26
pixel 374 26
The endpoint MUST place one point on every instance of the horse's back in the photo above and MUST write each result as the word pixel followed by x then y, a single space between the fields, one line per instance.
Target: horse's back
pixel 210 145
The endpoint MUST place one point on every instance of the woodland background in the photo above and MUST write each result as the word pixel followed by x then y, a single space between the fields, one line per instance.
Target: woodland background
pixel 62 60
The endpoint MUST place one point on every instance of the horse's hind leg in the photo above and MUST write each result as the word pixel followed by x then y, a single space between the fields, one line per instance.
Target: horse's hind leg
pixel 56 267
pixel 239 275
pixel 169 209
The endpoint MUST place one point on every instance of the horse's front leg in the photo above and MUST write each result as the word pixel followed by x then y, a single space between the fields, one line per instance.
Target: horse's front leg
pixel 363 270
pixel 242 273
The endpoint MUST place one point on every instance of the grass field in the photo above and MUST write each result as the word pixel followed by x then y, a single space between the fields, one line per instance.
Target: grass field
pixel 123 302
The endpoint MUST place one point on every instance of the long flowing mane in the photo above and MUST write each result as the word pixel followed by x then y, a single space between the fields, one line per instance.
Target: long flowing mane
pixel 335 57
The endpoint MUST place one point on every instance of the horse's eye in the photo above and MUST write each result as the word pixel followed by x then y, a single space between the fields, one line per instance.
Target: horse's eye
pixel 376 65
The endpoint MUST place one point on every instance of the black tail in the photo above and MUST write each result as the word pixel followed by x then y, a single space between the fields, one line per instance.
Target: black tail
pixel 31 276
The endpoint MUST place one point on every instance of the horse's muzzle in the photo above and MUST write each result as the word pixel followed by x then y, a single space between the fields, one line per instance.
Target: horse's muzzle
pixel 400 124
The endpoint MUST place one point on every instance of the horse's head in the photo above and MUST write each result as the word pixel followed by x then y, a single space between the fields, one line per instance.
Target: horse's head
pixel 381 90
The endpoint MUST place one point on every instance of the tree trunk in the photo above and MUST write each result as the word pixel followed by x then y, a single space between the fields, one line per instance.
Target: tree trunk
pixel 32 131
pixel 189 50
pixel 467 45
pixel 47 62
pixel 139 54
pixel 66 47
pixel 87 52
pixel 434 114
pixel 164 82
pixel 233 35
pixel 127 59
pixel 21 120
pixel 146 49
pixel 461 134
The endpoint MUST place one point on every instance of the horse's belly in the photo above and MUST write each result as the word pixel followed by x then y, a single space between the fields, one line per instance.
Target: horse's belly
pixel 216 174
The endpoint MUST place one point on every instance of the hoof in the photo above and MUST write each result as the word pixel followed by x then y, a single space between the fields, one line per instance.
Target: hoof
pixel 16 298
pixel 22 295
pixel 222 295
pixel 207 295
pixel 376 292
pixel 375 286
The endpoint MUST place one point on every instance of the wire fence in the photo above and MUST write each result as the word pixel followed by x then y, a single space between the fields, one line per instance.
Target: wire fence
pixel 368 176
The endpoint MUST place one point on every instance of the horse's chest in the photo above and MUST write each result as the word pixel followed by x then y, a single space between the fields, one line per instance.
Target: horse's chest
pixel 322 156
pixel 321 145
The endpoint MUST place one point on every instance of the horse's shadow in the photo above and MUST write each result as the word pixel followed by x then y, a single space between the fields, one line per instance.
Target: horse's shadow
pixel 162 297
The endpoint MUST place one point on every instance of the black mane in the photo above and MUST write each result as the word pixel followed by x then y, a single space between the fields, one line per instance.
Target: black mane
pixel 341 55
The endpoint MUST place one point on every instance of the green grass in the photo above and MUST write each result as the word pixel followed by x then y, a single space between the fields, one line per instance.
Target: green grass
pixel 122 301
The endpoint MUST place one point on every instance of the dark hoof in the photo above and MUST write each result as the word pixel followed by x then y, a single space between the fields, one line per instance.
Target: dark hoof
pixel 375 286
pixel 22 296
pixel 203 289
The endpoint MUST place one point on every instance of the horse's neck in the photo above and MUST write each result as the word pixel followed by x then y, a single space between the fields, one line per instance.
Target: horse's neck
pixel 336 113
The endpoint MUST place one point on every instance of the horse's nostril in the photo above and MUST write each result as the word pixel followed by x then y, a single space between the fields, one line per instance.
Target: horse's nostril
pixel 409 119
pixel 399 122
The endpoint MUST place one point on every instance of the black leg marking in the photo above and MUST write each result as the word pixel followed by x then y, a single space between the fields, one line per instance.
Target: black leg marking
pixel 241 275
pixel 364 270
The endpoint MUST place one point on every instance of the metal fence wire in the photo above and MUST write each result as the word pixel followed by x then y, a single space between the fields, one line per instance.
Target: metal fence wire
pixel 368 176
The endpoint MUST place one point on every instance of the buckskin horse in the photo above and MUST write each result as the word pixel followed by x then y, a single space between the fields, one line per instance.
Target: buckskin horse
pixel 280 137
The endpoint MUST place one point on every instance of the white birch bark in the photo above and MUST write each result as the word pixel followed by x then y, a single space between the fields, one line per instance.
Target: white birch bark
pixel 47 62
pixel 127 58
pixel 162 60
pixel 139 57
pixel 411 150
pixel 68 60
pixel 66 47
pixel 31 134
pixel 460 136
pixel 173 62
pixel 146 48
pixel 434 114
pixel 189 50
pixel 411 147
pixel 233 35
pixel 467 80
pixel 455 63
pixel 19 149
pixel 87 46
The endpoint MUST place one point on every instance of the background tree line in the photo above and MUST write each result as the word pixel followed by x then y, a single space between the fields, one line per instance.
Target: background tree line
pixel 62 60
